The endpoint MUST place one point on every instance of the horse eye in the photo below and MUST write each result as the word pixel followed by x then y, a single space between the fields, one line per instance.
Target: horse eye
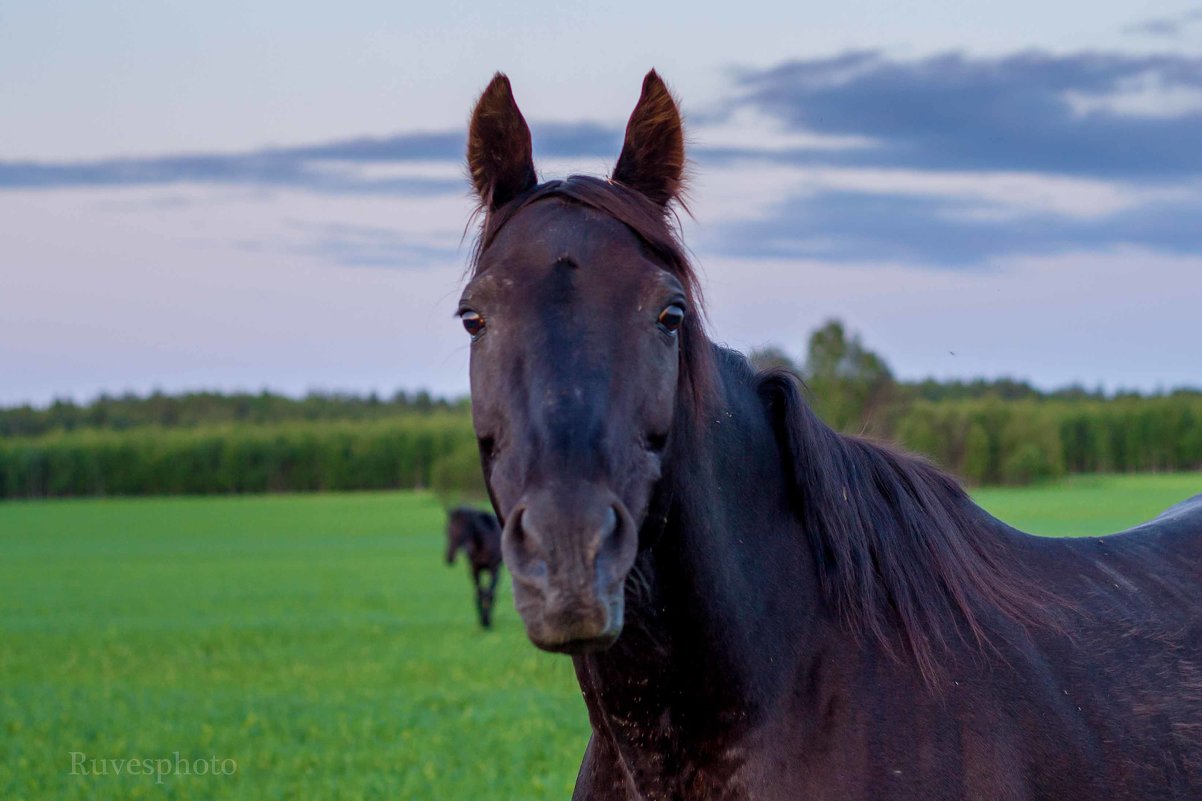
pixel 671 317
pixel 473 323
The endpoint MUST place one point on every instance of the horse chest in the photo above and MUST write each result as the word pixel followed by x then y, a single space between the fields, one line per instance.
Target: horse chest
pixel 652 760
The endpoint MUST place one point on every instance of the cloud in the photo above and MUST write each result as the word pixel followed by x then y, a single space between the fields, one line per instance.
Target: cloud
pixel 1105 114
pixel 949 160
pixel 265 169
pixel 1016 112
pixel 839 225
pixel 336 167
pixel 1144 95
pixel 965 161
pixel 371 246
pixel 1167 27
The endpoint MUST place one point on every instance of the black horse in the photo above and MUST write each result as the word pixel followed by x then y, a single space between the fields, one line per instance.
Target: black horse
pixel 757 606
pixel 479 535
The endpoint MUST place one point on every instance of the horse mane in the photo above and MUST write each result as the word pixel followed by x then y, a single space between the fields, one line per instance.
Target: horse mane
pixel 655 228
pixel 902 551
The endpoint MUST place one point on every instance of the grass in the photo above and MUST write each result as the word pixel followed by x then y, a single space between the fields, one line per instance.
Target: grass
pixel 316 640
pixel 1089 505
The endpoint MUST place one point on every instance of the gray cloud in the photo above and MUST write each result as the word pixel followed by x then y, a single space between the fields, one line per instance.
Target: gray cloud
pixel 943 232
pixel 1166 27
pixel 954 111
pixel 265 169
pixel 369 246
pixel 313 167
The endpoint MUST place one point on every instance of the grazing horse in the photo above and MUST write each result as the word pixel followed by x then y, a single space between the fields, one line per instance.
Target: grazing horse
pixel 479 535
pixel 756 606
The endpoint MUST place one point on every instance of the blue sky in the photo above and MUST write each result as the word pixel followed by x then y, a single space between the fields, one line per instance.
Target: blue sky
pixel 207 195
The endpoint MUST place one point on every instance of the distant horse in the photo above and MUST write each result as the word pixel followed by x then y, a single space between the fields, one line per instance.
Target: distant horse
pixel 756 606
pixel 479 535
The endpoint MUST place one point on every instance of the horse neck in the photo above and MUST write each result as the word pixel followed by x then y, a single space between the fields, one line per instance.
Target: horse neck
pixel 724 604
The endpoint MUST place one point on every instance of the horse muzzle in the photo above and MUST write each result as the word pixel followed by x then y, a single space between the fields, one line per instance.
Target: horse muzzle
pixel 569 550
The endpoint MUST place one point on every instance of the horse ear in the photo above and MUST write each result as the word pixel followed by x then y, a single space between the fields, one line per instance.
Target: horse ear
pixel 652 159
pixel 499 155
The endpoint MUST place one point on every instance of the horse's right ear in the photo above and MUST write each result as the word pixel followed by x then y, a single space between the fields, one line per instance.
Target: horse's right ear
pixel 499 154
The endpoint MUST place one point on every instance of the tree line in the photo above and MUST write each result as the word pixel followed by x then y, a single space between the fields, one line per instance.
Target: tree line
pixel 192 409
pixel 406 452
pixel 1001 431
pixel 987 432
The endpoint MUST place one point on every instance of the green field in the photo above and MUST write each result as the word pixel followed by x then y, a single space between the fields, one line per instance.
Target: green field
pixel 318 641
pixel 1089 504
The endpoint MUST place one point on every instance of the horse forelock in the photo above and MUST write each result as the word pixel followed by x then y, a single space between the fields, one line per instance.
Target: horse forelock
pixel 657 228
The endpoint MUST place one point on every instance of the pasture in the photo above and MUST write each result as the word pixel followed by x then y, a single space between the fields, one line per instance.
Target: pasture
pixel 318 641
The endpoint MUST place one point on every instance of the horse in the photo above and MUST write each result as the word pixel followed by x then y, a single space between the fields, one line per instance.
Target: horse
pixel 756 606
pixel 478 534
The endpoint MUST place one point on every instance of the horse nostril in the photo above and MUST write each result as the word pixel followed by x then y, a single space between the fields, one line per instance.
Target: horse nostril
pixel 522 547
pixel 612 535
pixel 517 532
pixel 617 547
pixel 611 525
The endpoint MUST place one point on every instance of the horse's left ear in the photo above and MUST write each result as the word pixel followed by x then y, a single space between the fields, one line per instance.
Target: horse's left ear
pixel 652 159
pixel 499 155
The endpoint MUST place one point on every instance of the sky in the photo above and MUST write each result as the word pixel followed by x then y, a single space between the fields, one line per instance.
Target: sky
pixel 247 196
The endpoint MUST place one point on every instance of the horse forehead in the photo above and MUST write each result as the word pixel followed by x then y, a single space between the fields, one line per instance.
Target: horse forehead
pixel 554 230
